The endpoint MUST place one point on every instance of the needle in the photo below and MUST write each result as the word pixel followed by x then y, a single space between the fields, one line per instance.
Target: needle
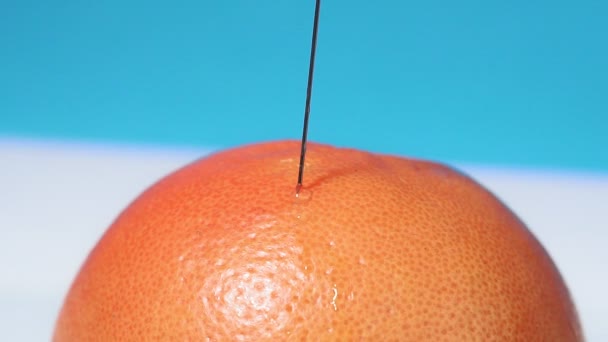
pixel 313 50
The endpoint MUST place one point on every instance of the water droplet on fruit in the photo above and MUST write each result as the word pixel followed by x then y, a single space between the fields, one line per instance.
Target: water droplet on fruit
pixel 362 261
pixel 332 243
pixel 334 298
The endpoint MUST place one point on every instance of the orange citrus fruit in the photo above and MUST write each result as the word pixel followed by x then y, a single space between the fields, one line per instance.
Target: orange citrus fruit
pixel 374 247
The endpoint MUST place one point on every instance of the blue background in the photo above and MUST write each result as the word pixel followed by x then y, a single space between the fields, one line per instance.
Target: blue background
pixel 504 82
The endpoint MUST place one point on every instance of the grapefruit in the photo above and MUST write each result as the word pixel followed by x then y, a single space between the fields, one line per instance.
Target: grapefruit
pixel 374 247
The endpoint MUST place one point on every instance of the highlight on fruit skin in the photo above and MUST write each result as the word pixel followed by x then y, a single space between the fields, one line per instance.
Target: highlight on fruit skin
pixel 375 248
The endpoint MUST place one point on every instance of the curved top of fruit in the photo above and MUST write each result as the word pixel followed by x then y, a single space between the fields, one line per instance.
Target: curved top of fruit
pixel 375 247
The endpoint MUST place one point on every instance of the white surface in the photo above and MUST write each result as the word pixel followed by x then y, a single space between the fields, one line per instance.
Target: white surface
pixel 57 199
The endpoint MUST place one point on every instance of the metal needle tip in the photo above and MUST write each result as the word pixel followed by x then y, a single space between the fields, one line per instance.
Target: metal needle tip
pixel 308 96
